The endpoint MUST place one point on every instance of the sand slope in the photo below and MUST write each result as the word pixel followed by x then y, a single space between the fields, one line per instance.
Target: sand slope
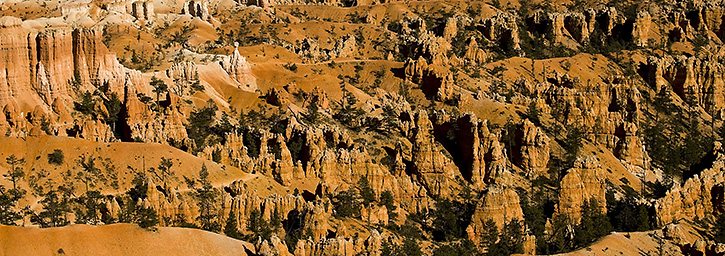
pixel 116 239
pixel 633 243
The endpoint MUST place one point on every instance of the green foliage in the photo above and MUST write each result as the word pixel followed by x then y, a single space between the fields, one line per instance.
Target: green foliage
pixel 674 143
pixel 489 234
pixel 88 208
pixel 627 215
pixel 182 36
pixel 113 106
pixel 347 113
pixel 86 104
pixel 386 199
pixel 159 87
pixel 409 248
pixel 89 174
pixel 600 42
pixel 465 247
pixel 313 115
pixel 164 172
pixel 56 207
pixel 260 227
pixel 9 213
pixel 573 146
pixel 594 224
pixel 511 240
pixel 347 204
pixel 450 219
pixel 366 192
pixel 56 158
pixel 559 240
pixel 131 212
pixel 290 66
pixel 207 200
pixel 199 122
pixel 16 172
pixel 231 228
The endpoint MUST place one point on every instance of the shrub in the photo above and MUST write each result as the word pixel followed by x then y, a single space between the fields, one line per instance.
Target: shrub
pixel 56 157
pixel 347 204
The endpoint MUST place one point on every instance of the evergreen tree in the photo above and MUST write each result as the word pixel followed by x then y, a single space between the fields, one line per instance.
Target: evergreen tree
pixel 8 203
pixel 258 226
pixel 199 122
pixel 347 113
pixel 89 208
pixel 573 146
pixel 113 106
pixel 16 172
pixel 55 210
pixel 159 87
pixel 386 199
pixel 207 201
pixel 511 240
pixel 313 115
pixel 89 174
pixel 164 172
pixel 489 234
pixel 56 158
pixel 347 204
pixel 594 224
pixel 231 228
pixel 366 192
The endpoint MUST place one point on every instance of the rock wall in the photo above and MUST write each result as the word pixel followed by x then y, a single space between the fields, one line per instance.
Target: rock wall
pixel 240 70
pixel 582 183
pixel 532 149
pixel 698 198
pixel 500 204
pixel 39 66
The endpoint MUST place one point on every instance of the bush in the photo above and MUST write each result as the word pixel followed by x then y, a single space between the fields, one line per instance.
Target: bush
pixel 451 219
pixel 366 192
pixel 56 157
pixel 594 224
pixel 199 122
pixel 511 240
pixel 290 66
pixel 465 247
pixel 347 204
pixel 409 248
pixel 386 199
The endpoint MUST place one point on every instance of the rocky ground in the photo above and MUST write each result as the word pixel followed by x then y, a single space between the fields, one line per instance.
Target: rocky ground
pixel 362 127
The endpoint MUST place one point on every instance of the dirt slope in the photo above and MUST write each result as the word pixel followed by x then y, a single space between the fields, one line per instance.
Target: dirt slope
pixel 116 239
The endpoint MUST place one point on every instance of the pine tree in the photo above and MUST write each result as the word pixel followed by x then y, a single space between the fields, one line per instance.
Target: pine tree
pixel 573 146
pixel 16 172
pixel 55 210
pixel 164 172
pixel 366 192
pixel 89 207
pixel 489 236
pixel 231 228
pixel 8 203
pixel 207 201
pixel 89 174
pixel 594 224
